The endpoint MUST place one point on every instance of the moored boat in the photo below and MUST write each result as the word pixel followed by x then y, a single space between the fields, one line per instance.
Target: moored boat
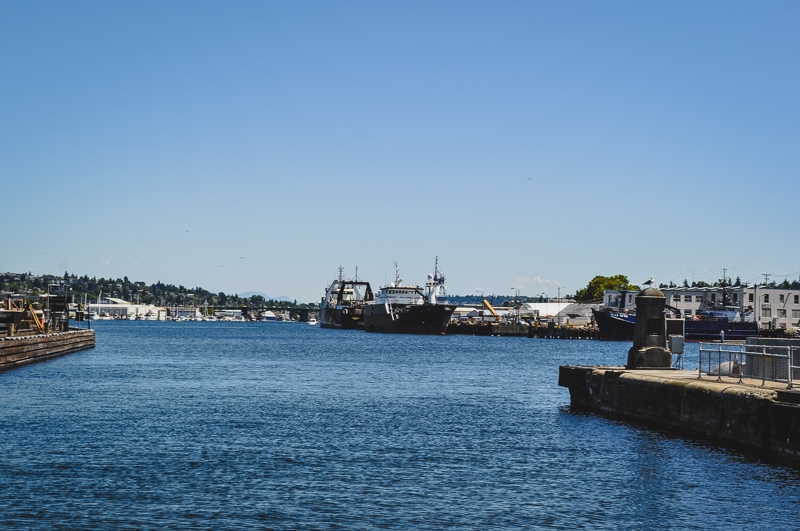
pixel 343 304
pixel 407 309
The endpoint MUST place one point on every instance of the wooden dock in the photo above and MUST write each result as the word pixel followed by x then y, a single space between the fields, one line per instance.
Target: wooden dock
pixel 19 350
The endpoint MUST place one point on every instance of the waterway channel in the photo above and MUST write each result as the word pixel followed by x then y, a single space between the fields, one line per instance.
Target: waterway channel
pixel 288 426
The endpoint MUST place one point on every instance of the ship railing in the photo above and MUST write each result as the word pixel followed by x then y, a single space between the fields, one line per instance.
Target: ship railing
pixel 775 363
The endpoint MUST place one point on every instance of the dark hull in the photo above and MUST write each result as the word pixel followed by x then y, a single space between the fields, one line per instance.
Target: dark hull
pixel 343 318
pixel 430 319
pixel 620 327
pixel 709 330
pixel 613 326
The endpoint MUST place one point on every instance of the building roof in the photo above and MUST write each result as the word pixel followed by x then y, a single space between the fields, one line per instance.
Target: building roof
pixel 546 308
pixel 117 301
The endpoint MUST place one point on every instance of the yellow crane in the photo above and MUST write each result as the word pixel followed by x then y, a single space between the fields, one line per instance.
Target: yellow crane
pixel 39 324
pixel 489 307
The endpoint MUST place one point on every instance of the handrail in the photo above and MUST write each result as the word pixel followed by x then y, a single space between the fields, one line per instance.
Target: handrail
pixel 750 361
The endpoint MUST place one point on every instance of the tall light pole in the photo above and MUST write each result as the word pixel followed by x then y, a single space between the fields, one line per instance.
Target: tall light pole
pixel 516 301
pixel 558 300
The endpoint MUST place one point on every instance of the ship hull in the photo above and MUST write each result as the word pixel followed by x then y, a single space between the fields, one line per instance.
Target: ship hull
pixel 620 327
pixel 710 330
pixel 348 318
pixel 429 319
pixel 342 307
pixel 614 326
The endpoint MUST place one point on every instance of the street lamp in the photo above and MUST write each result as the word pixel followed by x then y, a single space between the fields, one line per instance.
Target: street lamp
pixel 516 301
pixel 559 308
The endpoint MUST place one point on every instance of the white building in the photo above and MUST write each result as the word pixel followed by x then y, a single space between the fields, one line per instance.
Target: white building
pixel 774 307
pixel 122 309
pixel 546 310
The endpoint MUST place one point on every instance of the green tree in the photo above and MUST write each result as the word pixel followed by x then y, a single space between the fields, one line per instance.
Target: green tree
pixel 594 290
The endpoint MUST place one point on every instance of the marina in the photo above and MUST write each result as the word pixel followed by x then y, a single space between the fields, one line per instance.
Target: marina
pixel 221 300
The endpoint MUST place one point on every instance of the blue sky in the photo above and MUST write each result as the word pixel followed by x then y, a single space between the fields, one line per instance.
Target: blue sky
pixel 257 146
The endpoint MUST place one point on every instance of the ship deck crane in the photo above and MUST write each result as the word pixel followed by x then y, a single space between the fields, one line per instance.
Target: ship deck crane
pixel 489 307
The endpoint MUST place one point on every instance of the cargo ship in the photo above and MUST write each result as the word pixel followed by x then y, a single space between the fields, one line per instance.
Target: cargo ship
pixel 343 304
pixel 407 309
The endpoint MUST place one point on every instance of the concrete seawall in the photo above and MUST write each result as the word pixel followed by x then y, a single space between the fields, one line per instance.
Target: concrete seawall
pixel 16 351
pixel 765 419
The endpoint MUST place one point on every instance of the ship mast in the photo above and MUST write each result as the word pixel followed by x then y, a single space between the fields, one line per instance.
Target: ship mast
pixel 724 289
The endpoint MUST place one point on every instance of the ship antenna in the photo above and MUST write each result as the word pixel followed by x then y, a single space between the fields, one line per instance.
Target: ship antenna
pixel 397 280
pixel 341 274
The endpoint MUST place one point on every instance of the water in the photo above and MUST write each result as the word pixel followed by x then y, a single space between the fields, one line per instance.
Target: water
pixel 288 426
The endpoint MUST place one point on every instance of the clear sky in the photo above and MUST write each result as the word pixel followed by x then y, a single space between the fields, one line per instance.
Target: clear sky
pixel 256 146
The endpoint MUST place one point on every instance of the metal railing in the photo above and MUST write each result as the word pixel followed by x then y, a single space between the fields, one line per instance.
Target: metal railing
pixel 776 363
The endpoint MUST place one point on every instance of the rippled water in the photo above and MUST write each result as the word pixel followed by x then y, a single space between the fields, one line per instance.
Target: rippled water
pixel 287 426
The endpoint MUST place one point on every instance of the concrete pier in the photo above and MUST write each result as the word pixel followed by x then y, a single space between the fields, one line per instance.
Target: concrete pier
pixel 749 416
pixel 19 350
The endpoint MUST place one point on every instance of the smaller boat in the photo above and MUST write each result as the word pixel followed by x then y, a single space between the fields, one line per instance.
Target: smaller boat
pixel 269 315
pixel 312 321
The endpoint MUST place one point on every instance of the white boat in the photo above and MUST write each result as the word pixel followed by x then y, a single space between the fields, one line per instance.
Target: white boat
pixel 269 315
pixel 312 321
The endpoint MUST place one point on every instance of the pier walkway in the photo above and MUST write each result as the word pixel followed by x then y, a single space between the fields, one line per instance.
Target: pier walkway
pixel 751 414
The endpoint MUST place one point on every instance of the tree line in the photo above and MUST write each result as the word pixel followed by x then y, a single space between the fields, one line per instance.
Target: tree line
pixel 158 294
pixel 593 292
